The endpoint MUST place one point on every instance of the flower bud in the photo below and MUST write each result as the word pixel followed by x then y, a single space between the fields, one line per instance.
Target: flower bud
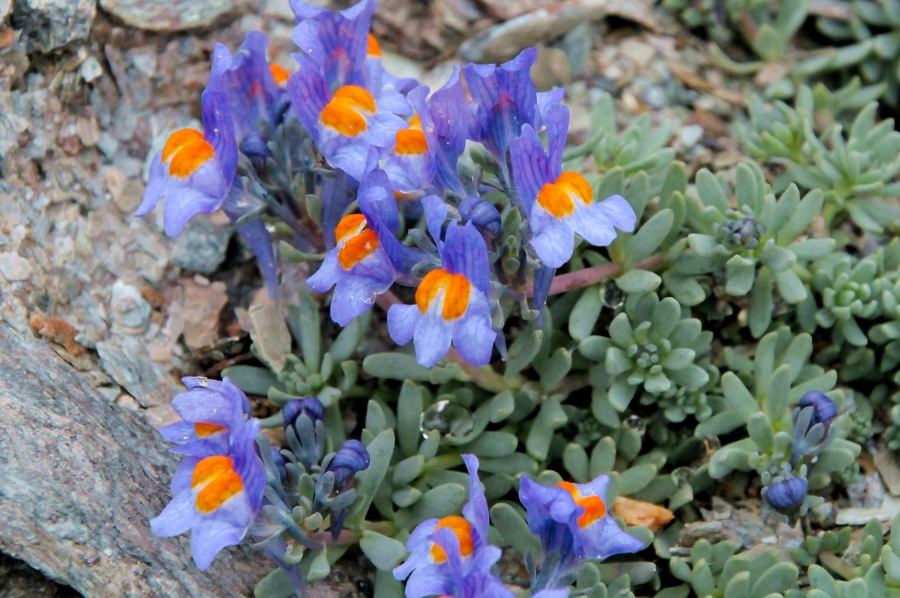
pixel 825 409
pixel 787 494
pixel 352 458
pixel 481 213
pixel 309 406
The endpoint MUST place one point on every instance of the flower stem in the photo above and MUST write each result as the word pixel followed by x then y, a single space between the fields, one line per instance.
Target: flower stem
pixel 588 276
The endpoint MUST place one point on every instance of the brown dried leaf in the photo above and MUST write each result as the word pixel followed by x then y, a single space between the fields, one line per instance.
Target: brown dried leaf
pixel 644 514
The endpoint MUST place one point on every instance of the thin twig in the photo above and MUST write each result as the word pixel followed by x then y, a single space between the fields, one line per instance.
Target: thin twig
pixel 582 278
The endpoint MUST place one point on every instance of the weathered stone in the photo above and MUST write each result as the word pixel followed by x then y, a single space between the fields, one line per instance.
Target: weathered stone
pixel 48 25
pixel 81 479
pixel 5 7
pixel 14 267
pixel 167 16
pixel 130 312
pixel 126 360
pixel 201 246
pixel 202 308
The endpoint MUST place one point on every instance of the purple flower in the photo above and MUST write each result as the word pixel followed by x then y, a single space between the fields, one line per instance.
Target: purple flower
pixel 194 171
pixel 573 520
pixel 444 122
pixel 217 497
pixel 212 413
pixel 367 258
pixel 348 122
pixel 254 92
pixel 451 556
pixel 825 409
pixel 410 166
pixel 786 494
pixel 503 101
pixel 337 42
pixel 451 303
pixel 561 204
pixel 376 76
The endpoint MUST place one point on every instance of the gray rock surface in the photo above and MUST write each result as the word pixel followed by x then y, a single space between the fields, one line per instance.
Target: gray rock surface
pixel 80 479
pixel 167 16
pixel 201 246
pixel 48 25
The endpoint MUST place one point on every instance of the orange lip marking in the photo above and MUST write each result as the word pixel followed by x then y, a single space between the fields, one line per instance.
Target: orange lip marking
pixel 456 289
pixel 411 141
pixel 594 507
pixel 219 481
pixel 349 225
pixel 178 140
pixel 463 531
pixel 344 112
pixel 374 49
pixel 357 248
pixel 190 158
pixel 279 74
pixel 559 197
pixel 203 430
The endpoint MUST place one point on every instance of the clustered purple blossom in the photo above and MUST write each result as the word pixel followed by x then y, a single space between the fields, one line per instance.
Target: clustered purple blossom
pixel 377 139
pixel 451 556
pixel 378 153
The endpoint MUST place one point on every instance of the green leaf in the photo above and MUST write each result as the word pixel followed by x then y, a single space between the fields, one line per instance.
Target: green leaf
pixel 738 396
pixel 760 429
pixel 409 411
pixel 638 282
pixel 635 478
pixel 397 366
pixel 522 351
pixel 555 369
pixel 304 323
pixel 585 313
pixel 438 502
pixel 549 418
pixel 289 255
pixel 761 303
pixel 513 528
pixel 648 237
pixel 276 584
pixel 385 553
pixel 776 579
pixel 710 190
pixel 576 461
pixel 407 470
pixel 739 275
pixel 502 406
pixel 319 568
pixel 492 445
pixel 381 449
pixel 375 420
pixel 348 339
pixel 252 380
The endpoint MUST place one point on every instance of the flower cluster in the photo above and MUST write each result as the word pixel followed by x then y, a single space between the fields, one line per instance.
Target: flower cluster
pixel 349 131
pixel 451 556
pixel 219 487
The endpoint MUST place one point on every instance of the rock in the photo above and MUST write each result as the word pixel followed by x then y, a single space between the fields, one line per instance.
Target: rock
pixel 5 7
pixel 90 69
pixel 80 480
pixel 202 307
pixel 18 580
pixel 14 267
pixel 58 331
pixel 126 360
pixel 861 516
pixel 129 309
pixel 690 135
pixel 48 25
pixel 165 16
pixel 201 246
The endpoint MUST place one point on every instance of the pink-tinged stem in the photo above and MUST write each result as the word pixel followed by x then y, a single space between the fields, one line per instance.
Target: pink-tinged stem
pixel 594 274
